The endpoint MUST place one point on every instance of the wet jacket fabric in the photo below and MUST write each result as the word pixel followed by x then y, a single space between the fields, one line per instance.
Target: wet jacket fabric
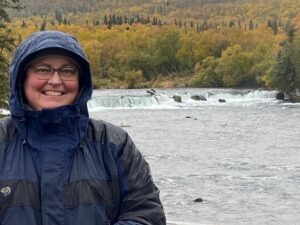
pixel 59 167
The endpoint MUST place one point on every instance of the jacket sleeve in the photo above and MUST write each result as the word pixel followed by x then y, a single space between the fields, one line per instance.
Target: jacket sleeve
pixel 140 202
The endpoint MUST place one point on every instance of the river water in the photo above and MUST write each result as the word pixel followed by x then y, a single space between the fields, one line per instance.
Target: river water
pixel 241 156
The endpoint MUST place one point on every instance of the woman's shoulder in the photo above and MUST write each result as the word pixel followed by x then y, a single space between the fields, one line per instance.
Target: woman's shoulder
pixel 7 129
pixel 104 131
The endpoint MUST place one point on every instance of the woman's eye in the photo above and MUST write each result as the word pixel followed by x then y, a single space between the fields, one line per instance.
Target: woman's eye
pixel 42 70
pixel 68 71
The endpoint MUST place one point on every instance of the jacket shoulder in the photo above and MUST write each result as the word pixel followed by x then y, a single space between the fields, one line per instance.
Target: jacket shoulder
pixel 106 132
pixel 7 130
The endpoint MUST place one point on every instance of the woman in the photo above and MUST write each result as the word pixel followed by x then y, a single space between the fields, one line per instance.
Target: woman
pixel 58 166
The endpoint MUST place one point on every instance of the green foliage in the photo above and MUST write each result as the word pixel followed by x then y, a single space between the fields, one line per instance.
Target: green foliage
pixel 166 46
pixel 6 45
pixel 289 30
pixel 205 74
pixel 139 53
pixel 186 54
pixel 3 83
pixel 296 62
pixel 234 66
pixel 134 79
pixel 217 43
pixel 263 62
pixel 284 72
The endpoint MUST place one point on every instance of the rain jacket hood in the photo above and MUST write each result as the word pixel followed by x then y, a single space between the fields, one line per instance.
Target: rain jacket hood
pixel 41 43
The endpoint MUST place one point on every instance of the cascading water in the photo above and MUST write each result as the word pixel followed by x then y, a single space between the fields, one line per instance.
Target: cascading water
pixel 185 98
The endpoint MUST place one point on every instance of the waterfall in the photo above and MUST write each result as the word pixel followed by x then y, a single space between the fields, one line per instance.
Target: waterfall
pixel 185 98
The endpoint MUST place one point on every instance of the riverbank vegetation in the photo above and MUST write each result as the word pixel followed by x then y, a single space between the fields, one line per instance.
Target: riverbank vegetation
pixel 205 43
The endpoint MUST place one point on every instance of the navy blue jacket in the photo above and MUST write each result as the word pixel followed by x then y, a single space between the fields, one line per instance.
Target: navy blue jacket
pixel 59 167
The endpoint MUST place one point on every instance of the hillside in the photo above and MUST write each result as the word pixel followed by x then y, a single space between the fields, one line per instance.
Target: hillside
pixel 176 43
pixel 168 10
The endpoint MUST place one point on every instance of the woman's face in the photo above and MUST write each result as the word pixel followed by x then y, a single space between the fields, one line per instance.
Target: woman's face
pixel 50 93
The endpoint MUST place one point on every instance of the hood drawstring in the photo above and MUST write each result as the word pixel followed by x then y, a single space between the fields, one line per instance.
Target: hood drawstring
pixel 78 115
pixel 23 120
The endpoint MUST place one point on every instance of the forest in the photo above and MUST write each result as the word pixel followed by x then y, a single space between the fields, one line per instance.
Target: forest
pixel 170 43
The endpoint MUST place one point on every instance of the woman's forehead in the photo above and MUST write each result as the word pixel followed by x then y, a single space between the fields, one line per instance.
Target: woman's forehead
pixel 54 58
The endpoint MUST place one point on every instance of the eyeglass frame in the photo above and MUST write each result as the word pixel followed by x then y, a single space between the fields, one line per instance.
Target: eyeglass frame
pixel 53 70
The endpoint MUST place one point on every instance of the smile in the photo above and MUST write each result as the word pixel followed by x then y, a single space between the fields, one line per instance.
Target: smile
pixel 53 93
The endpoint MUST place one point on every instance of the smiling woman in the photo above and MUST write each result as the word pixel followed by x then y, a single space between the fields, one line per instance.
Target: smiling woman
pixel 46 87
pixel 74 170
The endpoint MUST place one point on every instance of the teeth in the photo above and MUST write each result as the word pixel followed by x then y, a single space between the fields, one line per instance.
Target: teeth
pixel 53 93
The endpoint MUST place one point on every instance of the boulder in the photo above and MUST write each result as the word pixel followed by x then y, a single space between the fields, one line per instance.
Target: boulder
pixel 198 98
pixel 221 100
pixel 294 96
pixel 198 200
pixel 177 98
pixel 279 96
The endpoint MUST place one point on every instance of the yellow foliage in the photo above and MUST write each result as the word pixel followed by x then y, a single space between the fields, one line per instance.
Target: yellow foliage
pixel 117 51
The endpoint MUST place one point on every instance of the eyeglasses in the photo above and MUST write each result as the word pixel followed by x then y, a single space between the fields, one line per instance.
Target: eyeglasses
pixel 45 72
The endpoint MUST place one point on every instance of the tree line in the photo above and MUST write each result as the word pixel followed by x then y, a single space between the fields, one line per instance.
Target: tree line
pixel 138 53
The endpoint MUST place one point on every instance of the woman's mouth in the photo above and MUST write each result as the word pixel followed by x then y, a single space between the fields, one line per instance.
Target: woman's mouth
pixel 53 93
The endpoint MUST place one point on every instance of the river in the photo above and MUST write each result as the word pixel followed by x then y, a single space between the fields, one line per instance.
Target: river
pixel 241 156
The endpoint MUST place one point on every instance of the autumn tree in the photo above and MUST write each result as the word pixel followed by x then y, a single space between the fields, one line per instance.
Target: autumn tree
pixel 234 66
pixel 140 52
pixel 166 47
pixel 206 74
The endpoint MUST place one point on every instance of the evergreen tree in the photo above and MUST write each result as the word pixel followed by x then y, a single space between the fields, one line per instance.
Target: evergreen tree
pixel 114 20
pixel 154 21
pixel 275 27
pixel 23 24
pixel 43 25
pixel 59 16
pixel 105 20
pixel 198 27
pixel 284 72
pixel 205 25
pixel 6 45
pixel 296 61
pixel 231 24
pixel 159 22
pixel 125 19
pixel 289 30
pixel 192 24
pixel 239 24
pixel 251 25
pixel 269 23
pixel 131 21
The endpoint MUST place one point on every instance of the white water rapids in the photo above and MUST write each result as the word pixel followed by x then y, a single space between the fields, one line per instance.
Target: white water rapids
pixel 241 156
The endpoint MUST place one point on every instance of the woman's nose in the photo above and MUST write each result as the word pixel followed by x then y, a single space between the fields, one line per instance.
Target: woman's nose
pixel 55 79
